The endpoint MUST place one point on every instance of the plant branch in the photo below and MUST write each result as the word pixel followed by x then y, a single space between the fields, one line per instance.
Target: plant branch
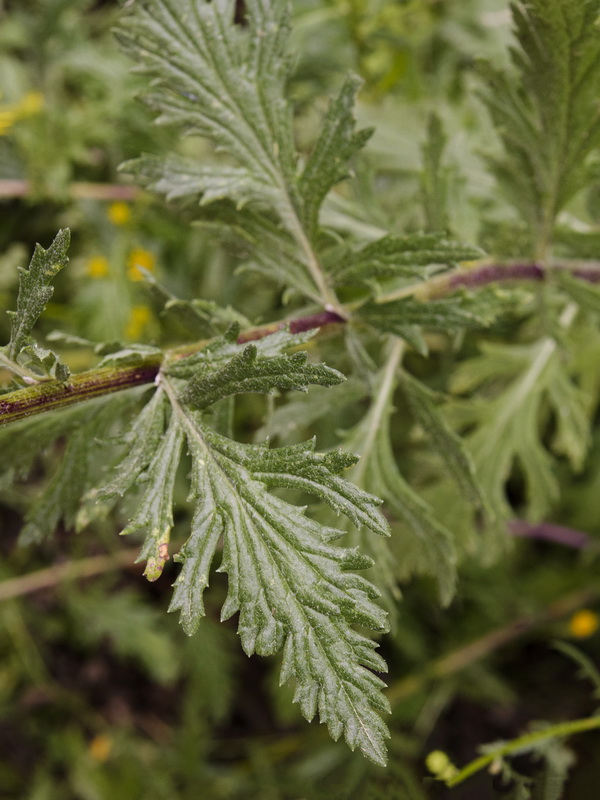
pixel 327 294
pixel 550 533
pixel 525 742
pixel 464 656
pixel 72 570
pixel 50 394
pixel 78 190
pixel 377 411
pixel 483 274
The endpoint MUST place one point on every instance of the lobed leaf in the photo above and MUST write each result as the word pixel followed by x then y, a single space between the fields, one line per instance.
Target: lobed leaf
pixel 549 120
pixel 392 256
pixel 246 372
pixel 35 291
pixel 447 444
pixel 508 427
pixel 327 165
pixel 405 317
pixel 292 588
pixel 218 80
pixel 423 545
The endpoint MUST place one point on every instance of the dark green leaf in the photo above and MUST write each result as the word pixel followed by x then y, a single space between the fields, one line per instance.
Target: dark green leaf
pixel 246 372
pixel 402 255
pixel 328 162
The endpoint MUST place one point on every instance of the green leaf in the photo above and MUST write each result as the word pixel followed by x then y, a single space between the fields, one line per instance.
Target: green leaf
pixel 143 441
pixel 155 512
pixel 218 80
pixel 133 628
pixel 423 545
pixel 392 256
pixel 292 588
pixel 246 372
pixel 328 162
pixel 176 177
pixel 34 293
pixel 450 447
pixel 28 439
pixel 404 317
pixel 201 317
pixel 508 426
pixel 222 349
pixel 226 82
pixel 78 468
pixel 549 121
pixel 266 246
pixel 302 411
pixel 585 294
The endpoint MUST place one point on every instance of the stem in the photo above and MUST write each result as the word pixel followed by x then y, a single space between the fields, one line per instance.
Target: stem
pixel 84 568
pixel 49 394
pixel 484 274
pixel 377 411
pixel 327 294
pixel 78 191
pixel 524 742
pixel 461 658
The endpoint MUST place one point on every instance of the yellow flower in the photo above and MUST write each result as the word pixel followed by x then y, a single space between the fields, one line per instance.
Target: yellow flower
pixel 583 623
pixel 139 318
pixel 97 267
pixel 119 213
pixel 139 258
pixel 30 104
pixel 100 748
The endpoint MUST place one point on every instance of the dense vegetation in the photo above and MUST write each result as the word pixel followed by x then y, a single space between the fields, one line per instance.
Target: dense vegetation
pixel 325 338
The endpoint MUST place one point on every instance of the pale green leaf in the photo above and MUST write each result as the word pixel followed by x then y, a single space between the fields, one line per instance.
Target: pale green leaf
pixel 406 316
pixel 302 411
pixel 447 444
pixel 549 120
pixel 508 425
pixel 425 546
pixel 585 294
pixel 220 81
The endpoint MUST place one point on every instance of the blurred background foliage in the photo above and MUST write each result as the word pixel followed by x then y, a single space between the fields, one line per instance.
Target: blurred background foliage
pixel 101 694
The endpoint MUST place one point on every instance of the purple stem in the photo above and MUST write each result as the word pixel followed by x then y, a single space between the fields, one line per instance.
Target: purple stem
pixel 550 533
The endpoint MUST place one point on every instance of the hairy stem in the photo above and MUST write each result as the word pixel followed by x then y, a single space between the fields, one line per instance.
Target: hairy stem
pixel 50 394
